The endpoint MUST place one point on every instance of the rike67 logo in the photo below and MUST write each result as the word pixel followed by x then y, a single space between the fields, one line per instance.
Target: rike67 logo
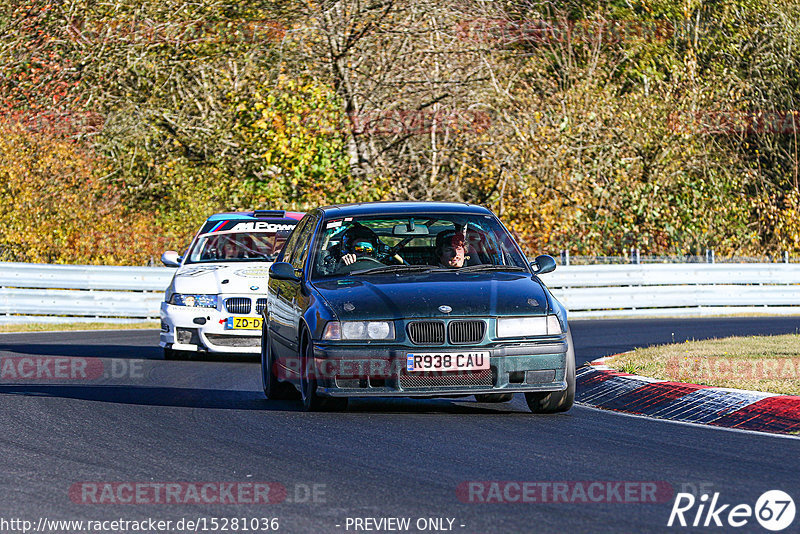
pixel 774 511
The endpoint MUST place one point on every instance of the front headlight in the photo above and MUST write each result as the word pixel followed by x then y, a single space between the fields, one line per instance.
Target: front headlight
pixel 336 330
pixel 528 326
pixel 193 301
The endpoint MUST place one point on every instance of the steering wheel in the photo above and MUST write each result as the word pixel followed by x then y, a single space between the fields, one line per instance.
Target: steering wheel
pixel 364 261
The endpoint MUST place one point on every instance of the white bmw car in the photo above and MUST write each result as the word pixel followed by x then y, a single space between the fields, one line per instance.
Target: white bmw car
pixel 215 299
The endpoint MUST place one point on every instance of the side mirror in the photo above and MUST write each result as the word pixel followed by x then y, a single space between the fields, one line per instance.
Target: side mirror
pixel 280 270
pixel 170 258
pixel 543 264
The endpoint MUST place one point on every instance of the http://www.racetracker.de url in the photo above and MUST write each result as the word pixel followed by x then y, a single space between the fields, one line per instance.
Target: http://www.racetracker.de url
pixel 149 524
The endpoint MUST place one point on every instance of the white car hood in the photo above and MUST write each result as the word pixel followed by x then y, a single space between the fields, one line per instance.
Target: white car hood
pixel 222 278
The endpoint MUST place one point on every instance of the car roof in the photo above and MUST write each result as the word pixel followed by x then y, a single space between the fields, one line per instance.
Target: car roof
pixel 255 215
pixel 401 208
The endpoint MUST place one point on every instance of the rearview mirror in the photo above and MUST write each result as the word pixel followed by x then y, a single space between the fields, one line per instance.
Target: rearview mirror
pixel 280 270
pixel 170 258
pixel 410 229
pixel 543 264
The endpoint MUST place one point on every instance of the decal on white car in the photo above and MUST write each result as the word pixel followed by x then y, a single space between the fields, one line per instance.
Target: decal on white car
pixel 263 226
pixel 253 272
pixel 197 271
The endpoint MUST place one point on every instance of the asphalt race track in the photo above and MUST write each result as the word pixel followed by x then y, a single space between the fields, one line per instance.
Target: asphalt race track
pixel 135 418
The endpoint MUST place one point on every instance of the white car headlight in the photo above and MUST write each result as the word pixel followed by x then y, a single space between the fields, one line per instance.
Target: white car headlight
pixel 528 326
pixel 194 301
pixel 336 330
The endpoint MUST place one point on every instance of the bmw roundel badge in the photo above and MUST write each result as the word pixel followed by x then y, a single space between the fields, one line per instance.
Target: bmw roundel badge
pixel 445 308
pixel 254 288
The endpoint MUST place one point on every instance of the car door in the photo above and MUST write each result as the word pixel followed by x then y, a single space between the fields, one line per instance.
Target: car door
pixel 289 300
pixel 299 296
pixel 279 303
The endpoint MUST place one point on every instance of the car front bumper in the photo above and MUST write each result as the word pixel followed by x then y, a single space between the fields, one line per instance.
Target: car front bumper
pixel 203 329
pixel 379 371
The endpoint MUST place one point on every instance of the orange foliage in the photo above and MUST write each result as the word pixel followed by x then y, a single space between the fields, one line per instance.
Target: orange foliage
pixel 56 209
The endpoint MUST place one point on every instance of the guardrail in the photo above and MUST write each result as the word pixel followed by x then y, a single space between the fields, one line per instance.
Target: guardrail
pixel 668 289
pixel 78 293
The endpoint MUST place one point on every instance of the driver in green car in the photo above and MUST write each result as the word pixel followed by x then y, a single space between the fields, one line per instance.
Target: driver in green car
pixel 358 242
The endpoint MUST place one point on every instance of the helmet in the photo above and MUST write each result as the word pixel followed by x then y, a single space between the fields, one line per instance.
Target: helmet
pixel 359 240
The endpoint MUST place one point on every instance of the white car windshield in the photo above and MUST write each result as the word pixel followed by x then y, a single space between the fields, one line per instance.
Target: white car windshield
pixel 237 247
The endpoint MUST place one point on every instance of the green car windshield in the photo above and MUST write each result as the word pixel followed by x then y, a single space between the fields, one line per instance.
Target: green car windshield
pixel 415 243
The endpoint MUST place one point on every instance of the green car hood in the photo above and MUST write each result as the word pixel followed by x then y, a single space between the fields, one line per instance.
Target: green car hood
pixel 420 296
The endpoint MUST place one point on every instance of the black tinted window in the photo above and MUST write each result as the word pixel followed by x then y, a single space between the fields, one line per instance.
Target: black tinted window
pixel 300 252
pixel 291 244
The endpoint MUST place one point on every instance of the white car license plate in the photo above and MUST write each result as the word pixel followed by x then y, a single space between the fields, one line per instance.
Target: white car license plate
pixel 447 361
pixel 243 323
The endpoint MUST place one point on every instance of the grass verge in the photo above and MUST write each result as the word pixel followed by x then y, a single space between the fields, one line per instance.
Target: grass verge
pixel 768 363
pixel 61 327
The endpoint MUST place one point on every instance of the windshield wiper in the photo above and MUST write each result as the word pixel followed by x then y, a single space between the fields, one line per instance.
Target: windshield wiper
pixel 489 267
pixel 388 269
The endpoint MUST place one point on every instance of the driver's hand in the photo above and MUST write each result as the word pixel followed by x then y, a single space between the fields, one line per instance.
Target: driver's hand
pixel 349 259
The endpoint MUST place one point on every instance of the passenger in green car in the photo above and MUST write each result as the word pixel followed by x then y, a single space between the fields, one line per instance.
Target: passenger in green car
pixel 451 249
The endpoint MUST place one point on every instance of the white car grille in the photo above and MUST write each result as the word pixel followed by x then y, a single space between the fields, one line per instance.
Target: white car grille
pixel 238 305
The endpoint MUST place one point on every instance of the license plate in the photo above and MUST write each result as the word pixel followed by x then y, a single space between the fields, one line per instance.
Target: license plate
pixel 243 323
pixel 448 361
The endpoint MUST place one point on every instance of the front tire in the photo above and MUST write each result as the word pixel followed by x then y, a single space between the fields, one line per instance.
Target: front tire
pixel 274 389
pixel 557 401
pixel 312 402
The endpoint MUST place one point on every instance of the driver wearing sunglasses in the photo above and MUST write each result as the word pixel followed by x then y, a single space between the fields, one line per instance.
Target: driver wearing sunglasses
pixel 359 250
pixel 358 242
